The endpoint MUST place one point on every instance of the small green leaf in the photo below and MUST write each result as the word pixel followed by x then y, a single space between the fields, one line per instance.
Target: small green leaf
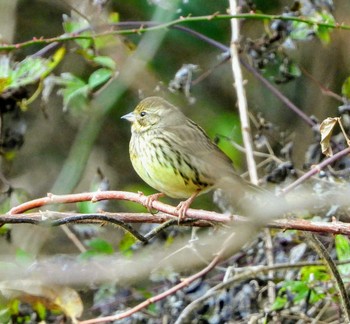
pixel 101 246
pixel 97 247
pixel 32 69
pixel 126 243
pixel 41 310
pixel 342 247
pixel 75 92
pixel 105 61
pixel 300 31
pixel 74 24
pixel 322 32
pixel 5 315
pixel 99 77
pixel 87 207
pixel 345 89
pixel 317 273
pixel 294 70
pixel 113 17
pixel 279 303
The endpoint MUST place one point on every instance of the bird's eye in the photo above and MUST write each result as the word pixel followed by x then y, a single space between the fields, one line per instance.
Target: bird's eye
pixel 142 113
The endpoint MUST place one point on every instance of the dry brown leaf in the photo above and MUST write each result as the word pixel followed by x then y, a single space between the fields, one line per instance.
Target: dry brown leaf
pixel 53 297
pixel 326 130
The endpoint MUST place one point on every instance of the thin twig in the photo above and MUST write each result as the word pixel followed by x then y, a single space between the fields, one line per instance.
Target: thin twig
pixel 184 283
pixel 80 246
pixel 245 126
pixel 241 96
pixel 316 169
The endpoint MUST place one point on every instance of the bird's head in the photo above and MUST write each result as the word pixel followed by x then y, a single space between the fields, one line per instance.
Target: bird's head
pixel 154 112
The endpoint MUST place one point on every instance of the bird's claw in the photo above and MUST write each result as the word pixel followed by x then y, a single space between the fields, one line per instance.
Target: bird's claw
pixel 149 201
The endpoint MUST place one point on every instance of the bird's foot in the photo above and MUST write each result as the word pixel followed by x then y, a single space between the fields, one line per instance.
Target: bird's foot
pixel 150 199
pixel 183 206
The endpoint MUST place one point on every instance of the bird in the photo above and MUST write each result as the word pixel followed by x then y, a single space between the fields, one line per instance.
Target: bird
pixel 175 156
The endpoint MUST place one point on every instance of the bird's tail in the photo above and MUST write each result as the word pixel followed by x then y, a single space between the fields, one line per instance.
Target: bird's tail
pixel 238 196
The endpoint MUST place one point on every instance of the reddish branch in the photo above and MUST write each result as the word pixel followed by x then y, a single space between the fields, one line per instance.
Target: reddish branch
pixel 184 283
pixel 334 227
pixel 59 218
pixel 117 195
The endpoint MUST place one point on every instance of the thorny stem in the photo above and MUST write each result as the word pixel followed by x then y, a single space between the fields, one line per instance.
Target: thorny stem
pixel 158 26
pixel 49 218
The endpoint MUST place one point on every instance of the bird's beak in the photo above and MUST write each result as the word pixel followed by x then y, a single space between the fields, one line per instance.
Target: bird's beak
pixel 129 117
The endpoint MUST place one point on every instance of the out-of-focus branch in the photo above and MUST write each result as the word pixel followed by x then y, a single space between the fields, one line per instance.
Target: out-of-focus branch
pixel 241 96
pixel 316 169
pixel 141 27
pixel 184 283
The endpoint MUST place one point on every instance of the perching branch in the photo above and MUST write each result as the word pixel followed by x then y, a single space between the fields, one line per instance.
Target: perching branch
pixel 166 215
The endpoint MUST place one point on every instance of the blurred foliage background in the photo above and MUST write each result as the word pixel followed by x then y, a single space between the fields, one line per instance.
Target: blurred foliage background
pixel 39 165
pixel 49 135
pixel 45 158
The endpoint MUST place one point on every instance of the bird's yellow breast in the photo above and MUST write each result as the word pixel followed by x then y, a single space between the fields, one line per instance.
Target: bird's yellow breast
pixel 164 169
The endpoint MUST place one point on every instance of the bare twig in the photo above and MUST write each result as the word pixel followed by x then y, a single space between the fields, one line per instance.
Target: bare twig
pixel 241 96
pixel 316 169
pixel 245 126
pixel 184 283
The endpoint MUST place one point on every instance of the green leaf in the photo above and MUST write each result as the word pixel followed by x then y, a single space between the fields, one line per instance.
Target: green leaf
pixel 345 89
pixel 101 246
pixel 75 24
pixel 32 69
pixel 97 247
pixel 322 32
pixel 342 247
pixel 126 243
pixel 41 310
pixel 5 315
pixel 113 17
pixel 87 207
pixel 294 70
pixel 300 31
pixel 75 92
pixel 279 303
pixel 105 61
pixel 99 77
pixel 317 273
